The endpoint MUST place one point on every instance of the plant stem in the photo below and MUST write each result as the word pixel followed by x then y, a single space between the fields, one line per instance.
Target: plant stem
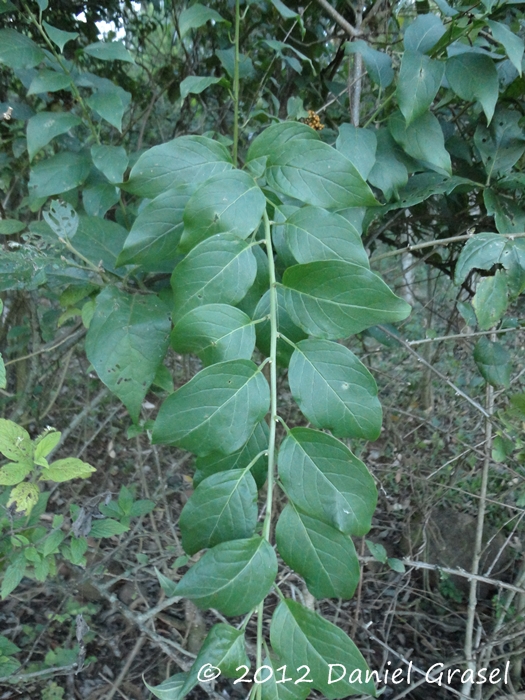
pixel 236 85
pixel 273 422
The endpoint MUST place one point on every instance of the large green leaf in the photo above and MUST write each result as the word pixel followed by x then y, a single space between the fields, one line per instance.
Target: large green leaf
pixel 59 36
pixel 315 234
pixel 223 648
pixel 324 479
pixel 502 144
pixel 223 507
pixel 98 199
pixel 216 462
pixel 49 81
pixel 155 235
pixel 109 51
pixel 185 160
pixel 18 51
pixel 473 76
pixel 58 174
pixel 378 64
pixel 215 332
pixel 335 299
pixel 112 161
pixel 44 126
pixel 323 556
pixel 274 138
pixel 100 241
pixel 170 688
pixel 359 146
pixel 195 84
pixel 334 390
pixel 281 686
pixel 389 174
pixel 284 323
pixel 216 410
pixel 126 342
pixel 490 301
pixel 196 16
pixel 230 202
pixel 233 577
pixel 423 33
pixel 219 270
pixel 315 173
pixel 422 139
pixel 512 43
pixel 110 104
pixel 419 80
pixel 479 252
pixel 493 362
pixel 301 636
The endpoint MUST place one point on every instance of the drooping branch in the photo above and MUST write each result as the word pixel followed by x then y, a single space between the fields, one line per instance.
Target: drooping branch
pixel 341 21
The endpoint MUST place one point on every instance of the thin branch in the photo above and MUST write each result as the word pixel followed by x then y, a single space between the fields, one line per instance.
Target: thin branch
pixel 341 21
pixel 461 336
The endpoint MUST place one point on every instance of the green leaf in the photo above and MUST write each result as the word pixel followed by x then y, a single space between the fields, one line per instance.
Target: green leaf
pixel 109 51
pixel 481 252
pixel 276 689
pixel 112 161
pixel 317 174
pixel 512 43
pixel 107 528
pixel 10 226
pixel 15 442
pixel 79 547
pixel 422 139
pixel 377 551
pixel 324 479
pixel 18 51
pixel 359 146
pixel 167 585
pixel 502 144
pixel 62 219
pixel 224 649
pixel 227 58
pixel 323 556
pixel 100 241
pixel 168 689
pixel 155 235
pixel 219 270
pixel 46 443
pixel 216 410
pixel 424 185
pixel 314 234
pixel 419 81
pixel 52 543
pixel 336 299
pixel 110 105
pixel 396 565
pixel 215 462
pixel 49 81
pixel 493 362
pixel 196 16
pixel 284 323
pixel 141 507
pixel 8 666
pixel 44 126
pixel 14 573
pixel 24 497
pixel 223 507
pixel 97 200
pixel 285 11
pixel 423 33
pixel 3 376
pixel 508 216
pixel 276 137
pixel 195 84
pixel 66 469
pixel 227 203
pixel 126 342
pixel 7 647
pixel 13 473
pixel 490 301
pixel 334 390
pixel 473 76
pixel 378 64
pixel 215 332
pixel 60 173
pixel 233 577
pixel 59 36
pixel 185 160
pixel 389 174
pixel 301 636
